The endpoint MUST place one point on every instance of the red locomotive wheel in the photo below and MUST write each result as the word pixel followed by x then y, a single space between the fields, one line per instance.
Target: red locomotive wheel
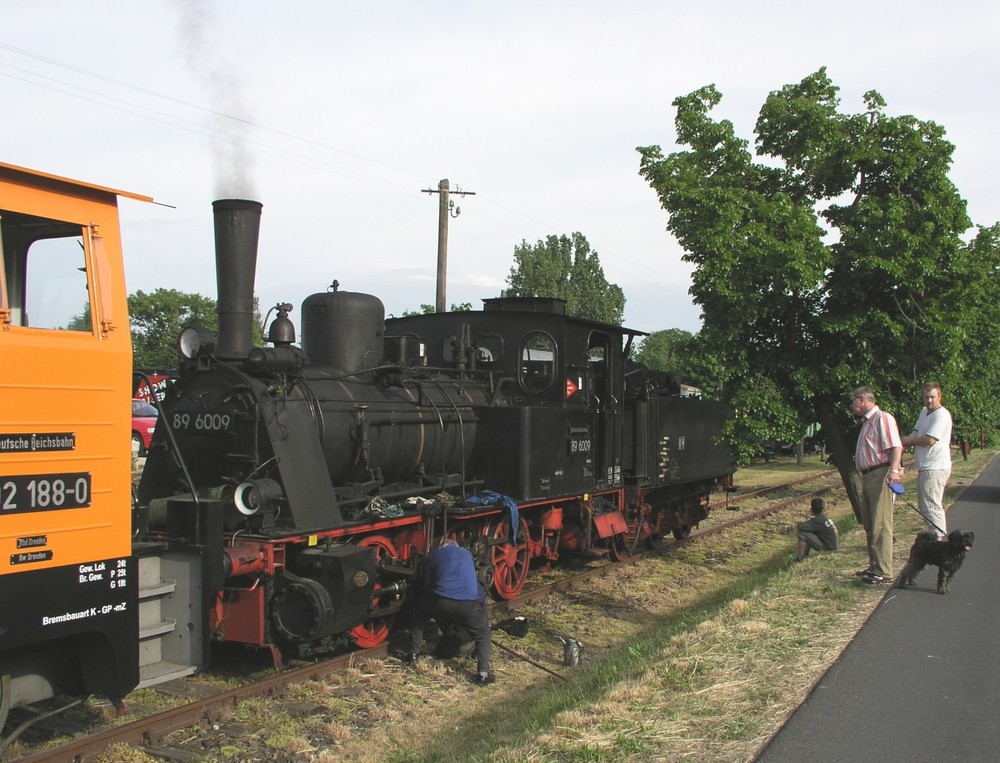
pixel 376 630
pixel 622 545
pixel 510 561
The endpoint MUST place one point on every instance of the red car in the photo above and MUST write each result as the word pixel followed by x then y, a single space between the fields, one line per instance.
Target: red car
pixel 143 424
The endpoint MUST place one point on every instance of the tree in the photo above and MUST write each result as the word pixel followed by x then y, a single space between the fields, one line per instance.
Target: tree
pixel 975 378
pixel 666 350
pixel 157 319
pixel 835 262
pixel 566 268
pixel 464 307
pixel 81 321
pixel 684 354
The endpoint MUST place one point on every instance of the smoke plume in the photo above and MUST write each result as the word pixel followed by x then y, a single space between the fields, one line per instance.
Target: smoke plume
pixel 230 124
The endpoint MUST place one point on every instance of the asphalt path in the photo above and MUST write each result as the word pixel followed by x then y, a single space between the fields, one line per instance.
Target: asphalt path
pixel 921 680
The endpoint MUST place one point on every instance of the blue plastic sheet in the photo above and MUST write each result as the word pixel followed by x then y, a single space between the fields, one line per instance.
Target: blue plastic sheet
pixel 491 498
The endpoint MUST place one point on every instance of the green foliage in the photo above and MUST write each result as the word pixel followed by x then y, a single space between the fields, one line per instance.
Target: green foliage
pixel 665 350
pixel 158 317
pixel 464 307
pixel 82 321
pixel 704 369
pixel 833 262
pixel 971 384
pixel 565 267
pixel 684 354
pixel 762 415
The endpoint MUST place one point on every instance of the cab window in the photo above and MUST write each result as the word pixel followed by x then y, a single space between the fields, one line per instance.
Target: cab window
pixel 45 272
pixel 600 375
pixel 489 350
pixel 538 361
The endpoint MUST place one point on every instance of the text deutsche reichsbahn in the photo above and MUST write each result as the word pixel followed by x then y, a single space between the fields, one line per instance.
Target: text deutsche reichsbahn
pixel 26 443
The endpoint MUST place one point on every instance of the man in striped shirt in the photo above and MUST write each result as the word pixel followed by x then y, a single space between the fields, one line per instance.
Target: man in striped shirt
pixel 877 458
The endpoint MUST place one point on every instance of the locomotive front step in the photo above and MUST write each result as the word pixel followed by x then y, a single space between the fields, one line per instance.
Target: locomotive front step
pixel 159 659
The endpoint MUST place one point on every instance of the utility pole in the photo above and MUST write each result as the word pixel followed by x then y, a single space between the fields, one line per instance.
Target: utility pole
pixel 445 209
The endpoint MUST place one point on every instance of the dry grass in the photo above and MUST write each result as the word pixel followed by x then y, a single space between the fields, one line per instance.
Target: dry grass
pixel 698 655
pixel 123 753
pixel 781 469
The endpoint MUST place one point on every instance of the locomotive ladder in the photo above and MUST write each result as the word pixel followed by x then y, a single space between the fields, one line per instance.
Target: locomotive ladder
pixel 164 647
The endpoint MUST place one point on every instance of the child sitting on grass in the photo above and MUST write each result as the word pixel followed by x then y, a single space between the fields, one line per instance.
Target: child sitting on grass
pixel 818 532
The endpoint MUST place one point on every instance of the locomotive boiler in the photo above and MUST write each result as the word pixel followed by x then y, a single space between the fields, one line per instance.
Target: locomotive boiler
pixel 304 432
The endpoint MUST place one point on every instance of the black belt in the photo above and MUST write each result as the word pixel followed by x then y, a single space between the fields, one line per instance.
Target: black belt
pixel 873 468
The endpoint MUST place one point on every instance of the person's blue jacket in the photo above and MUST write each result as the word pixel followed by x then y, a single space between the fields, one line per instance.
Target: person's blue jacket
pixel 450 572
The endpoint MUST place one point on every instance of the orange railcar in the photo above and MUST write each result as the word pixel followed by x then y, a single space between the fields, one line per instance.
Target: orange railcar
pixel 68 581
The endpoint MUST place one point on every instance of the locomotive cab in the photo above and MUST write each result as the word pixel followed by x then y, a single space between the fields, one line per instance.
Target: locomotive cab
pixel 553 425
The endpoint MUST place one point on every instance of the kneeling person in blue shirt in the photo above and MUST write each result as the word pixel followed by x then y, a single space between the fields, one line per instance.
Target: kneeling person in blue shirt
pixel 452 595
pixel 818 532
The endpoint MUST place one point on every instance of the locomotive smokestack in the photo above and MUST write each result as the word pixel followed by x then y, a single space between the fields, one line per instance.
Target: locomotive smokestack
pixel 237 226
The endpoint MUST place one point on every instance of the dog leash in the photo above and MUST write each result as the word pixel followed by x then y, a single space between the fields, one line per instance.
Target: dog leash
pixel 940 531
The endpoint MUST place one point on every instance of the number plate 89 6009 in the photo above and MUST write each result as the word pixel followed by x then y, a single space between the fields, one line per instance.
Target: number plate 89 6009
pixel 203 422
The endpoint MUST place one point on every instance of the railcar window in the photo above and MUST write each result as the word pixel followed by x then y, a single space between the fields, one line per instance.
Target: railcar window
pixel 57 296
pixel 45 271
pixel 538 360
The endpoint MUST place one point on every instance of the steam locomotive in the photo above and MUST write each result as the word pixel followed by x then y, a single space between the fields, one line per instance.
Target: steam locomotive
pixel 291 491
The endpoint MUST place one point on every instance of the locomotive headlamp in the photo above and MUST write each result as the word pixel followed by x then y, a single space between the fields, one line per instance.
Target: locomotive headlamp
pixel 254 496
pixel 194 341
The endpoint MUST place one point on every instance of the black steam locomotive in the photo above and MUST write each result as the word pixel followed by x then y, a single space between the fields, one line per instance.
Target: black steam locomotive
pixel 290 492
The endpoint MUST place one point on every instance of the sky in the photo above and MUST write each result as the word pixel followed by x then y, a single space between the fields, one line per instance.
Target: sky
pixel 338 116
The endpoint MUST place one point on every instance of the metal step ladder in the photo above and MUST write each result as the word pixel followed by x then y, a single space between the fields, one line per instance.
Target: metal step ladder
pixel 162 653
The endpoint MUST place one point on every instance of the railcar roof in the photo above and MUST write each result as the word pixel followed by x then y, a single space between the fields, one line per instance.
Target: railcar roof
pixel 13 169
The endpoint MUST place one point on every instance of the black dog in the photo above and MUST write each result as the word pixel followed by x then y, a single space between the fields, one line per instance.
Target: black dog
pixel 946 555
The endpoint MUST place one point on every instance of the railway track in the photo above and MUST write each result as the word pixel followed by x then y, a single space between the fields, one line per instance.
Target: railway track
pixel 150 731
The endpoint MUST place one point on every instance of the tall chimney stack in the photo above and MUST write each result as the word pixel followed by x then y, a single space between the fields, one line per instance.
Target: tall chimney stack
pixel 237 227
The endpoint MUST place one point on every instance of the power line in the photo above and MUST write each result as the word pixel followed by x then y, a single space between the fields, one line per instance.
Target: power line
pixel 170 120
pixel 188 104
pixel 220 134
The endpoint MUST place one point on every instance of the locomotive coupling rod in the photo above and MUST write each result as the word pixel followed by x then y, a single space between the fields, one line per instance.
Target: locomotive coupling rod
pixel 530 661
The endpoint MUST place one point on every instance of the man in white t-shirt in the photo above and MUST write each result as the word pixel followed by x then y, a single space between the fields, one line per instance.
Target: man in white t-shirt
pixel 931 439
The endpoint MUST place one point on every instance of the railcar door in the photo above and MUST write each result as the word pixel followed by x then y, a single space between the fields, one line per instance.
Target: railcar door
pixel 605 361
pixel 65 376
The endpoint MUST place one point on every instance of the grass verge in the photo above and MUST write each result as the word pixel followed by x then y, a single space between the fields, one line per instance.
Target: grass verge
pixel 711 680
pixel 697 655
